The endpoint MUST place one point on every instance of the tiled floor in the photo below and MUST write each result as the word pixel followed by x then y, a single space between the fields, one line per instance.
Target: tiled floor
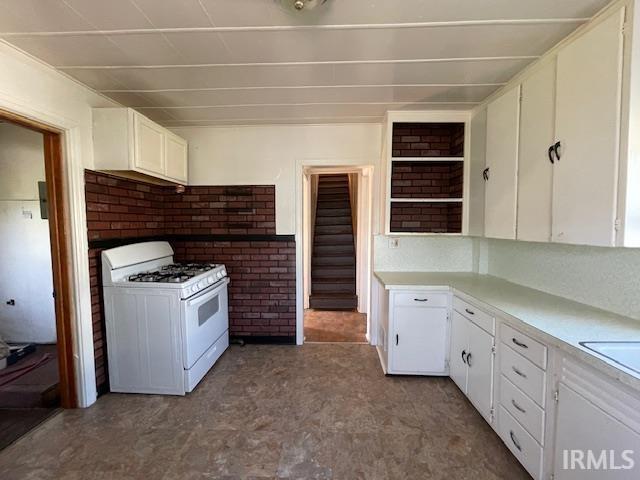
pixel 332 326
pixel 316 411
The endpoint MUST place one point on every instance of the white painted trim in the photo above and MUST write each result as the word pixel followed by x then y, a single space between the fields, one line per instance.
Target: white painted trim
pixel 304 168
pixel 82 329
pixel 296 28
pixel 297 64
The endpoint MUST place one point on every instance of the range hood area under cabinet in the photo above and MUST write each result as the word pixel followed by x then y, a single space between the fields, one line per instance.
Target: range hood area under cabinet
pixel 128 144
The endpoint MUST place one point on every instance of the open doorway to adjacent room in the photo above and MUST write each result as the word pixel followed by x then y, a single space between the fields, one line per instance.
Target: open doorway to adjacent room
pixel 336 232
pixel 36 372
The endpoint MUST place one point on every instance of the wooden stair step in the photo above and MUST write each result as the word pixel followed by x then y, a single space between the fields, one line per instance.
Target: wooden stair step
pixel 334 229
pixel 334 261
pixel 333 250
pixel 333 301
pixel 333 272
pixel 331 190
pixel 334 239
pixel 332 220
pixel 333 212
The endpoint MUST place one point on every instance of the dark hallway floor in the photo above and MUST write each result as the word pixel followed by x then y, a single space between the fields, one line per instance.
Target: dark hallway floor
pixel 29 399
pixel 266 412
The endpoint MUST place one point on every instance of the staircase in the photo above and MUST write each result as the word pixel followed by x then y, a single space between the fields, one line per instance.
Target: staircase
pixel 333 263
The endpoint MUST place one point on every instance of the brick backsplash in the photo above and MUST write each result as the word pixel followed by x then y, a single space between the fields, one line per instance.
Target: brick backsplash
pixel 262 292
pixel 428 139
pixel 262 289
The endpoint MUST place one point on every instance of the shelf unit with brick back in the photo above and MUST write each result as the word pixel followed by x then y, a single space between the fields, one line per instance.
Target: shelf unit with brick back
pixel 426 173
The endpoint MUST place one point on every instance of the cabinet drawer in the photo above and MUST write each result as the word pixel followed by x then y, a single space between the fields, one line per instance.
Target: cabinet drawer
pixel 420 299
pixel 521 444
pixel 482 319
pixel 523 374
pixel 524 345
pixel 523 409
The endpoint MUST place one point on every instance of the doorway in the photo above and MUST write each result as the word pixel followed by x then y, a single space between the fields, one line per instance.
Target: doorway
pixel 36 358
pixel 336 250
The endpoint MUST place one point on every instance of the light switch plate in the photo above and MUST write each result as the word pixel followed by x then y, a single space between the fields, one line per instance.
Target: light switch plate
pixel 393 243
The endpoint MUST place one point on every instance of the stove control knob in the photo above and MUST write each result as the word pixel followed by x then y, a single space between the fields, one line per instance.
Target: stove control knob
pixel 209 280
pixel 194 289
pixel 201 284
pixel 219 274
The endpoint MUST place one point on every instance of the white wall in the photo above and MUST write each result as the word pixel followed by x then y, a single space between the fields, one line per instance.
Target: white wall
pixel 607 278
pixel 31 88
pixel 271 154
pixel 25 256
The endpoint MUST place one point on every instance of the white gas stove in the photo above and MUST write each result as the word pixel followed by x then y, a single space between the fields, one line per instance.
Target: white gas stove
pixel 167 323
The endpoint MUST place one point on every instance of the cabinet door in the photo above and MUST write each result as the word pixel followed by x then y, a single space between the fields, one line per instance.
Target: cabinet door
pixel 176 163
pixel 584 427
pixel 535 170
pixel 503 115
pixel 480 376
pixel 588 127
pixel 149 147
pixel 459 350
pixel 420 341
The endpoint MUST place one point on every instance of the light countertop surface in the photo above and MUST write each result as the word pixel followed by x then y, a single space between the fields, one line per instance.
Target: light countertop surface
pixel 555 320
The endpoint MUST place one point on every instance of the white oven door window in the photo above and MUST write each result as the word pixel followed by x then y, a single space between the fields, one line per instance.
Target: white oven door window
pixel 205 318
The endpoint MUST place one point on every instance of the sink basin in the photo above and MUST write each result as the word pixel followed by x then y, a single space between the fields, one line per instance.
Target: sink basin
pixel 626 354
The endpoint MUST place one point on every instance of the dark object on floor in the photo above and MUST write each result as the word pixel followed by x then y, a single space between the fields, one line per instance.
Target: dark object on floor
pixel 15 422
pixel 18 352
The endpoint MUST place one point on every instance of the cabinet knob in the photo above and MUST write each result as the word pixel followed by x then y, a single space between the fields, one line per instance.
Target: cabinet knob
pixel 520 344
pixel 518 372
pixel 464 356
pixel 469 359
pixel 515 440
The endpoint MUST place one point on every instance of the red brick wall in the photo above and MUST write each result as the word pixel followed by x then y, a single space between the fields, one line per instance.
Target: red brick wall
pixel 262 292
pixel 426 179
pixel 442 217
pixel 428 139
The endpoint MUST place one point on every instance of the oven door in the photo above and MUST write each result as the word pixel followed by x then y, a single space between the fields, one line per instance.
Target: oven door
pixel 205 318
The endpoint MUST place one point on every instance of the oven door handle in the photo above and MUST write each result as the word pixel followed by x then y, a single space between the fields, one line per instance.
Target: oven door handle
pixel 206 294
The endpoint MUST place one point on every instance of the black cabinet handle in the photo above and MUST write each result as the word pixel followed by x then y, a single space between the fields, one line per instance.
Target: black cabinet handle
pixel 464 355
pixel 518 372
pixel 420 299
pixel 556 149
pixel 485 174
pixel 469 359
pixel 515 440
pixel 517 407
pixel 397 339
pixel 470 312
pixel 551 154
pixel 520 344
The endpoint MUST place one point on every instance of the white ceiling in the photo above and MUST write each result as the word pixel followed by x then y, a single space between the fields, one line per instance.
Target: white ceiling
pixel 209 62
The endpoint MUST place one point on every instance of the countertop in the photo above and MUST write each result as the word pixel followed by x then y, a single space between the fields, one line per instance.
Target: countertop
pixel 555 320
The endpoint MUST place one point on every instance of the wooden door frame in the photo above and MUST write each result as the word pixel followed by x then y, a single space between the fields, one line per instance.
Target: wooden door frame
pixel 61 260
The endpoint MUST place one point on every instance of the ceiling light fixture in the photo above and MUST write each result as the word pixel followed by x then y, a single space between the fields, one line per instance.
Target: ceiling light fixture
pixel 307 4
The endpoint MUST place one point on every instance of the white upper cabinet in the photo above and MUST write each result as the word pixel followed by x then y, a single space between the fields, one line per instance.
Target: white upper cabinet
pixel 176 149
pixel 126 142
pixel 503 116
pixel 149 145
pixel 589 82
pixel 535 167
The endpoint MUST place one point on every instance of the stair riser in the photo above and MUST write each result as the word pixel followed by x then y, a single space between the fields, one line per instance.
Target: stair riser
pixel 337 239
pixel 333 250
pixel 332 272
pixel 332 204
pixel 333 304
pixel 334 229
pixel 342 191
pixel 333 287
pixel 332 221
pixel 322 261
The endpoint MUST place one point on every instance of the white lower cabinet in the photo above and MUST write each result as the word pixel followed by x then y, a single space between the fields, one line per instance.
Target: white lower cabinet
pixel 597 434
pixel 472 353
pixel 418 333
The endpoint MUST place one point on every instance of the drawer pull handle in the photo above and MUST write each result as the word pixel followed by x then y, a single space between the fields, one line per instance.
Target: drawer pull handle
pixel 469 359
pixel 470 312
pixel 515 440
pixel 518 372
pixel 464 356
pixel 517 407
pixel 420 299
pixel 397 338
pixel 520 344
